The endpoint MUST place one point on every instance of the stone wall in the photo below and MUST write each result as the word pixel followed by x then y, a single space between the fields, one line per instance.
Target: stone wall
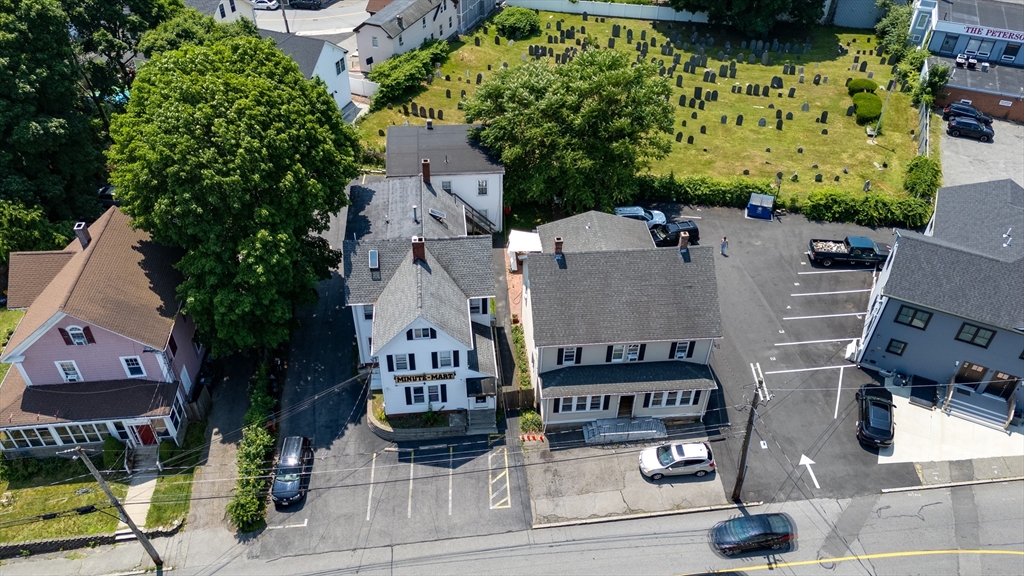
pixel 62 544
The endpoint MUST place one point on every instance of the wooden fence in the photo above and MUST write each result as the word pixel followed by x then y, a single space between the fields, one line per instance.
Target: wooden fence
pixel 518 399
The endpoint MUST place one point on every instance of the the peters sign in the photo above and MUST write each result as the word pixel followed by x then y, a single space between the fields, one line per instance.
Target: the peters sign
pixel 994 33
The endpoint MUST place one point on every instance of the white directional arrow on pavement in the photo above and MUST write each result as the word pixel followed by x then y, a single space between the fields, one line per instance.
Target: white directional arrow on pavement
pixel 805 461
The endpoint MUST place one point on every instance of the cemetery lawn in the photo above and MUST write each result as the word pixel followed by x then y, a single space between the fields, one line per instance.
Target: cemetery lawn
pixel 725 150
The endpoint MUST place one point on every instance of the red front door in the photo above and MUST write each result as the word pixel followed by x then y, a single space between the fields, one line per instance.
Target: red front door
pixel 145 433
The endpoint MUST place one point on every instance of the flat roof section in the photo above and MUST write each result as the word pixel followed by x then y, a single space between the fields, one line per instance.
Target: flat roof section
pixel 1005 80
pixel 1005 15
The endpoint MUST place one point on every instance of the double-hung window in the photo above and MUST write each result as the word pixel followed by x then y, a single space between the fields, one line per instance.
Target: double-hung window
pixel 69 370
pixel 913 317
pixel 373 41
pixel 580 403
pixel 339 66
pixel 481 187
pixel 975 335
pixel 417 395
pixel 446 185
pixel 424 23
pixel 133 366
pixel 672 398
pixel 77 335
pixel 618 353
pixel 896 347
pixel 368 312
pixel 401 361
pixel 420 333
pixel 568 356
pixel 444 359
pixel 401 41
pixel 633 353
pixel 434 393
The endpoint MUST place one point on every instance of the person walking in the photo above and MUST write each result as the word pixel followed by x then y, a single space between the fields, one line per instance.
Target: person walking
pixel 725 244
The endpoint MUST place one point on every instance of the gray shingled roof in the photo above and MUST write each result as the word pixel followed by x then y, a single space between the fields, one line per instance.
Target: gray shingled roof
pixel 481 357
pixel 382 210
pixel 976 216
pixel 593 231
pixel 448 146
pixel 205 7
pixel 304 50
pixel 412 12
pixel 632 378
pixel 624 296
pixel 934 273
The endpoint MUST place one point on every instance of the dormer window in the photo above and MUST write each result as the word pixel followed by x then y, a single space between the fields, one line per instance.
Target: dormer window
pixel 420 333
pixel 76 336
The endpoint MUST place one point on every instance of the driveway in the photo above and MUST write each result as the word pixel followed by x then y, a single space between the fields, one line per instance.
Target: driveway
pixel 334 23
pixel 966 161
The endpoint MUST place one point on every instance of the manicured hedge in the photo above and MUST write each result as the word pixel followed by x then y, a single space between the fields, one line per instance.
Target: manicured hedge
pixel 869 107
pixel 861 85
pixel 923 178
pixel 248 505
pixel 517 22
pixel 870 209
pixel 699 189
pixel 400 75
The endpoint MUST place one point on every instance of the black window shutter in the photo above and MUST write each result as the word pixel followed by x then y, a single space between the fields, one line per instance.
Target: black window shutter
pixel 696 397
pixel 67 337
pixel 672 351
pixel 455 358
pixel 607 401
pixel 88 335
pixel 579 355
pixel 433 360
pixel 647 400
pixel 643 348
pixel 608 356
pixel 433 334
pixel 412 361
pixel 408 393
pixel 559 358
pixel 444 392
pixel 391 363
pixel 557 402
pixel 408 334
pixel 689 349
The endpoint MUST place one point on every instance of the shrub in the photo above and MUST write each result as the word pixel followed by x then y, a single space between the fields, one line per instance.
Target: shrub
pixel 249 502
pixel 399 75
pixel 927 91
pixel 114 453
pixel 909 68
pixel 922 178
pixel 519 350
pixel 517 22
pixel 703 190
pixel 530 422
pixel 893 30
pixel 869 107
pixel 861 85
pixel 871 209
pixel 261 403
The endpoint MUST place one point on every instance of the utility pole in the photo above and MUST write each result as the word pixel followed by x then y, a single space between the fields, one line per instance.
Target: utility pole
pixel 762 390
pixel 79 453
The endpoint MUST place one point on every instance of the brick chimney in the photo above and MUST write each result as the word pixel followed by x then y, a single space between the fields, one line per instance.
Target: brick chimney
pixel 82 231
pixel 419 249
pixel 399 19
pixel 558 245
pixel 684 241
pixel 425 168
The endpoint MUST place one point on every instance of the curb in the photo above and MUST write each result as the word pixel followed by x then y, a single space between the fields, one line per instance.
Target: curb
pixel 952 484
pixel 645 515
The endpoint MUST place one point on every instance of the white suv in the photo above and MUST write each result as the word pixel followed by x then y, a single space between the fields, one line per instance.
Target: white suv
pixel 677 459
pixel 651 217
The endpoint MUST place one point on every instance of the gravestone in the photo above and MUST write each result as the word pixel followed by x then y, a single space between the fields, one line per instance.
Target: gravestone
pixel 697 92
pixel 714 78
pixel 778 114
pixel 530 49
pixel 430 112
pixel 497 40
pixel 800 70
pixel 460 105
pixel 380 132
pixel 863 66
pixel 723 70
pixel 707 74
pixel 776 82
pixel 447 78
pixel 749 89
pixel 503 65
pixel 682 100
pixel 765 59
pixel 714 95
pixel 558 59
pixel 679 136
pixel 856 59
pixel 801 78
pixel 817 79
pixel 764 91
pixel 684 123
pixel 616 30
pixel 817 177
pixel 661 71
pixel 871 75
pixel 792 92
pixel 806 107
pixel 476 40
pixel 824 116
pixel 739 58
pixel 629 36
pixel 479 78
pixel 824 79
pixel 721 56
pixel 551 52
pixel 778 124
pixel 423 112
pixel 850 111
pixel 762 122
pixel 689 139
pixel 583 29
pixel 430 79
pixel 800 150
pixel 703 129
pixel 725 119
pixel 743 45
pixel 751 59
pixel 760 46
pixel 824 131
pixel 771 106
pixel 693 103
pixel 548 27
pixel 679 81
pixel 700 105
pixel 693 116
pixel 558 25
pixel 463 96
pixel 405 109
pixel 848 80
pixel 584 16
pixel 785 68
pixel 757 89
pixel 415 109
pixel 836 179
pixel 732 72
pixel 643 34
pixel 789 115
pixel 448 94
pixel 739 120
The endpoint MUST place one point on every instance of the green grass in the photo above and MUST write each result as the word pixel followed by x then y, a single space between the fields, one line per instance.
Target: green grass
pixel 729 149
pixel 54 491
pixel 8 322
pixel 173 492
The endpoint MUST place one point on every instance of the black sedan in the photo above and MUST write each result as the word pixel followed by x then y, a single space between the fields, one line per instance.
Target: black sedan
pixel 876 427
pixel 969 127
pixel 755 532
pixel 961 110
pixel 668 234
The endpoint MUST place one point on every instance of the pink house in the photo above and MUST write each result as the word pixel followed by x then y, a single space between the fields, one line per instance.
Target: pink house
pixel 103 348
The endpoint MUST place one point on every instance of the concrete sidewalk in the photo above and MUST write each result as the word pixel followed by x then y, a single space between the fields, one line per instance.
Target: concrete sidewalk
pixel 136 502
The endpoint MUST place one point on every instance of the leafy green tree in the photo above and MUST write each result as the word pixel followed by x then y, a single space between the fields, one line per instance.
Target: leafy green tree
pixel 754 17
pixel 400 76
pixel 893 30
pixel 922 178
pixel 228 152
pixel 26 229
pixel 517 22
pixel 927 91
pixel 191 27
pixel 909 68
pixel 577 133
pixel 49 154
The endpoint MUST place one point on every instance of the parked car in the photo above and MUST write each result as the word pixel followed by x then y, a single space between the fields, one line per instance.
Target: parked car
pixel 876 427
pixel 755 532
pixel 668 234
pixel 291 478
pixel 961 110
pixel 650 217
pixel 306 4
pixel 265 4
pixel 677 459
pixel 850 250
pixel 969 127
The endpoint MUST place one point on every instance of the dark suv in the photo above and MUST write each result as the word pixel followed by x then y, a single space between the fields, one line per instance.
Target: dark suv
pixel 668 234
pixel 876 427
pixel 969 127
pixel 961 110
pixel 291 478
pixel 306 4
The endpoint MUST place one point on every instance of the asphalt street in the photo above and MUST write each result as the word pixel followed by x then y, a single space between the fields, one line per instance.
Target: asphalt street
pixel 966 161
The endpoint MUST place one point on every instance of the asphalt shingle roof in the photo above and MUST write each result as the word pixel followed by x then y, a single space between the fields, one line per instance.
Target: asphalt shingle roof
pixel 594 231
pixel 305 51
pixel 946 277
pixel 976 216
pixel 448 146
pixel 382 210
pixel 412 11
pixel 632 378
pixel 481 357
pixel 31 272
pixel 624 296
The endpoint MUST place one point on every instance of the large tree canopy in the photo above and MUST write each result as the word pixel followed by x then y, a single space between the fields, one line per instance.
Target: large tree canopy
pixel 755 17
pixel 227 151
pixel 27 229
pixel 577 132
pixel 190 27
pixel 49 154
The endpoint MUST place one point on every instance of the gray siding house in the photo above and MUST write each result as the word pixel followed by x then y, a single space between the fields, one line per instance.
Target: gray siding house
pixel 947 310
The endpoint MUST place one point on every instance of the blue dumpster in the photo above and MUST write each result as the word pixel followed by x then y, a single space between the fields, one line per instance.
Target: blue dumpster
pixel 760 206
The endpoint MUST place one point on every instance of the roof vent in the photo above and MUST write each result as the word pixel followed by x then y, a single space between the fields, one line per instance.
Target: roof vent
pixel 437 214
pixel 430 124
pixel 374 260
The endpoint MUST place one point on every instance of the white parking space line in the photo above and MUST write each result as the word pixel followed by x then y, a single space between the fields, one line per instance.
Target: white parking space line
pixel 831 293
pixel 824 316
pixel 838 271
pixel 804 369
pixel 814 341
pixel 450 469
pixel 369 498
pixel 839 392
pixel 303 525
pixel 412 456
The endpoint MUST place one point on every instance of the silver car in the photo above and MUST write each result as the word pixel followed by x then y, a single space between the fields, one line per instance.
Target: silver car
pixel 650 217
pixel 676 459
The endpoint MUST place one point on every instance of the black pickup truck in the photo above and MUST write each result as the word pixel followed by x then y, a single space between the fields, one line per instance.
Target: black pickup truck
pixel 855 250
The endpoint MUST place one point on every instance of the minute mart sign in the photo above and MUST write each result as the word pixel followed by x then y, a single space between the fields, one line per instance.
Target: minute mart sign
pixel 424 377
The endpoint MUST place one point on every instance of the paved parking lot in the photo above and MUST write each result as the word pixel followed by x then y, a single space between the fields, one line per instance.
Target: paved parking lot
pixel 966 161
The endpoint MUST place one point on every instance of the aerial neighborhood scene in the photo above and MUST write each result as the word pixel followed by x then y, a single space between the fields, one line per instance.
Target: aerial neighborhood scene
pixel 511 287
